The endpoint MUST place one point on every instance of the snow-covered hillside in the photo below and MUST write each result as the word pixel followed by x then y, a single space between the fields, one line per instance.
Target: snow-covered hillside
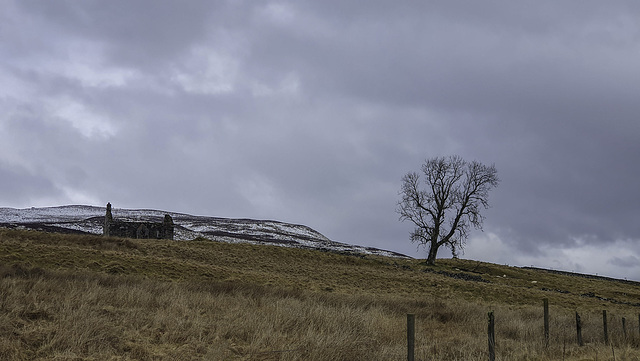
pixel 89 219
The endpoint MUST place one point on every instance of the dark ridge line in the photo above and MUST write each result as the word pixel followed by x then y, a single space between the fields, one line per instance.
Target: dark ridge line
pixel 43 227
pixel 595 277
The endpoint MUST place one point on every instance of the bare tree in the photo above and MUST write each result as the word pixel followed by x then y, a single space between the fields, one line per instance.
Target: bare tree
pixel 449 203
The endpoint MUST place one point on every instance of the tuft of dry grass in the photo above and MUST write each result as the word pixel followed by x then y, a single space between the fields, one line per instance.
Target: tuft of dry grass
pixel 74 297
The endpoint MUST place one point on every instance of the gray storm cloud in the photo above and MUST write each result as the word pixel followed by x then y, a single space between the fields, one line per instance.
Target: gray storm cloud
pixel 311 112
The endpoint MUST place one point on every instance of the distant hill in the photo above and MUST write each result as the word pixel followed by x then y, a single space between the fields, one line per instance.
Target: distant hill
pixel 84 219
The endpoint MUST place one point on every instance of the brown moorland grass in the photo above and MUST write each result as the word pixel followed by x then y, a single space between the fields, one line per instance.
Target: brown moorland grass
pixel 75 297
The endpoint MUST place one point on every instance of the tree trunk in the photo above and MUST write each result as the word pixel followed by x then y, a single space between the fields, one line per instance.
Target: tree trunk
pixel 433 252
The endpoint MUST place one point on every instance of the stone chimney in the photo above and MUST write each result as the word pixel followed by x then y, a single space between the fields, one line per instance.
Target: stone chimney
pixel 167 226
pixel 108 220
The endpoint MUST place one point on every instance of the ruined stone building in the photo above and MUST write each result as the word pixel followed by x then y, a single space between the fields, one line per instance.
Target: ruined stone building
pixel 145 230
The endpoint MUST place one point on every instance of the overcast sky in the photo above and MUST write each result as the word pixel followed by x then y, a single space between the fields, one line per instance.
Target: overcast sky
pixel 311 112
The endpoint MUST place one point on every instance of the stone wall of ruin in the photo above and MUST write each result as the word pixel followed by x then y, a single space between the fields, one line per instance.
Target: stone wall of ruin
pixel 140 230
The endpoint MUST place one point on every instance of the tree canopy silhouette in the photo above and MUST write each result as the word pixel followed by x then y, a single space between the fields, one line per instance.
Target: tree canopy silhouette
pixel 446 202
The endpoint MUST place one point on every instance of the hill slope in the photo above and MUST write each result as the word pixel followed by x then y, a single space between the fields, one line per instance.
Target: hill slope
pixel 89 219
pixel 309 269
pixel 87 297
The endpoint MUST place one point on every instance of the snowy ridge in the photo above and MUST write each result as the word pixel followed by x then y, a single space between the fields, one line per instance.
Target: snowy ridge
pixel 89 219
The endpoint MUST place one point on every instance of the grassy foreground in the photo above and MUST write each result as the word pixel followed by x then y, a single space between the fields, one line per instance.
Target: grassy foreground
pixel 74 297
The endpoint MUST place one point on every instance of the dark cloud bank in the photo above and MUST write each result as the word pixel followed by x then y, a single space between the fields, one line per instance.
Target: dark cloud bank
pixel 311 111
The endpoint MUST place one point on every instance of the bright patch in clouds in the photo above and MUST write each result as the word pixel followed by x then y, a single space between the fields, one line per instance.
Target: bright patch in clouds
pixel 81 118
pixel 86 64
pixel 90 76
pixel 76 196
pixel 80 61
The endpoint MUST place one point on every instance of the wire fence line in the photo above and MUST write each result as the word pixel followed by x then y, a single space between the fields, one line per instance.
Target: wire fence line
pixel 626 336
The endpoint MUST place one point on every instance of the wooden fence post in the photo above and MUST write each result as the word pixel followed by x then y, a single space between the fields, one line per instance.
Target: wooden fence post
pixel 604 327
pixel 492 337
pixel 579 329
pixel 624 328
pixel 546 322
pixel 411 336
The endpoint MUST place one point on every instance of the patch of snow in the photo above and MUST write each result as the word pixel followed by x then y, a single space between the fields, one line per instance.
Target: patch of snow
pixel 89 219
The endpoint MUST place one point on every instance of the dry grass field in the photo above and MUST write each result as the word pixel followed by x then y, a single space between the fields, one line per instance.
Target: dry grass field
pixel 75 297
